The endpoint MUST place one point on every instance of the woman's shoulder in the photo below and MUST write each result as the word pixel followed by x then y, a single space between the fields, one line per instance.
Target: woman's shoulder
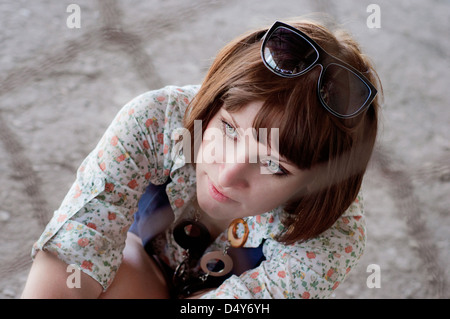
pixel 167 95
pixel 336 251
pixel 166 105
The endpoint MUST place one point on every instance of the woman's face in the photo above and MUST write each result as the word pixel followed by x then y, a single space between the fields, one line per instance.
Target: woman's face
pixel 239 177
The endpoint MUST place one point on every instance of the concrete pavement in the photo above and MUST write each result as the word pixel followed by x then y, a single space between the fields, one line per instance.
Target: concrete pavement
pixel 60 87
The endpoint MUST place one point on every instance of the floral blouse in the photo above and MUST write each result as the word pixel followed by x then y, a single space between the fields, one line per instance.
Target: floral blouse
pixel 139 147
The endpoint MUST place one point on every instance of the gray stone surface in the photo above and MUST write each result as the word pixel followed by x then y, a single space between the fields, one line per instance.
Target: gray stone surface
pixel 61 87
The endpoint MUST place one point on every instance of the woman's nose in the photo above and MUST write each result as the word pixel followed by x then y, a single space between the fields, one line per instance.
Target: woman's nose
pixel 233 174
pixel 239 166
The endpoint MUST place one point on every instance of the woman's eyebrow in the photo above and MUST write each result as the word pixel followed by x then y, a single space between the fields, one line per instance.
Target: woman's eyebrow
pixel 232 119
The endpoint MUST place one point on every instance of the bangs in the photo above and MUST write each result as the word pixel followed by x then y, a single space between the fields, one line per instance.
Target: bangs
pixel 292 106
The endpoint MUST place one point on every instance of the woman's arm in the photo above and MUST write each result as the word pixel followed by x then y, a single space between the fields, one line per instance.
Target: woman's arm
pixel 49 276
pixel 138 277
pixel 90 228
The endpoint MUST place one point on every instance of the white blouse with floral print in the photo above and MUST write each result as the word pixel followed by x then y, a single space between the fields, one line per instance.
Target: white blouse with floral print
pixel 90 227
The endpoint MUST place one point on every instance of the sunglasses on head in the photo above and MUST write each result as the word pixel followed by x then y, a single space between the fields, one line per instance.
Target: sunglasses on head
pixel 342 90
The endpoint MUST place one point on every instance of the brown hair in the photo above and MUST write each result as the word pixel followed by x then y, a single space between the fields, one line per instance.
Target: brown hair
pixel 337 150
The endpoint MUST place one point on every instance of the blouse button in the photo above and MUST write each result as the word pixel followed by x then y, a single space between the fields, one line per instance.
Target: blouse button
pixel 98 182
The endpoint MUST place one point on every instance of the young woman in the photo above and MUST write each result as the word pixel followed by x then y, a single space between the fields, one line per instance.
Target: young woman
pixel 247 186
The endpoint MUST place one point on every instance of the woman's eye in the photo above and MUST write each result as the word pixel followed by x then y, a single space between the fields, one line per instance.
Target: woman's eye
pixel 274 168
pixel 229 130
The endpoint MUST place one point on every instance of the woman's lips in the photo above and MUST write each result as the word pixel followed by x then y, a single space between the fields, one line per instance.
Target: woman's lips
pixel 218 196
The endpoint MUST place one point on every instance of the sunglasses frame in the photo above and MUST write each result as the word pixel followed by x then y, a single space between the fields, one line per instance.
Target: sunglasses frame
pixel 324 60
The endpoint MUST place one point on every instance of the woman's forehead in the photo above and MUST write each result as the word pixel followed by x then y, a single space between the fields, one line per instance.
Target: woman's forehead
pixel 245 115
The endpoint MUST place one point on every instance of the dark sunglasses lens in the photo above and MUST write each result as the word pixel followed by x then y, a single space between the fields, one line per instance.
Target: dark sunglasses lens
pixel 288 53
pixel 343 91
